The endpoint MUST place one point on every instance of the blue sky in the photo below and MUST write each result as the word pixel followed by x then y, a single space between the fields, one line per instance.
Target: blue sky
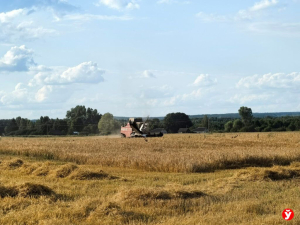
pixel 139 58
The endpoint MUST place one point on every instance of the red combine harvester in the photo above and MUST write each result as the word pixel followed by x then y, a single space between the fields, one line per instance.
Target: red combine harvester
pixel 137 128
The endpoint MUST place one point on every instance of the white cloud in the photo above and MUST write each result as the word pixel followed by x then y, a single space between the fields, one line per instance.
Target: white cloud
pixel 120 4
pixel 86 72
pixel 52 94
pixel 271 28
pixel 6 17
pixel 88 17
pixel 204 80
pixel 276 80
pixel 253 19
pixel 172 2
pixel 17 59
pixel 14 26
pixel 194 94
pixel 28 31
pixel 256 10
pixel 166 1
pixel 184 98
pixel 212 17
pixel 152 102
pixel 18 96
pixel 268 90
pixel 23 95
pixel 243 14
pixel 148 74
pixel 247 98
pixel 46 85
pixel 58 7
pixel 264 4
pixel 166 96
pixel 170 102
pixel 156 92
pixel 43 93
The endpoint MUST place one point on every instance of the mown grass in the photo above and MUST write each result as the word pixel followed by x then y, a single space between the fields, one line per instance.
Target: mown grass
pixel 135 197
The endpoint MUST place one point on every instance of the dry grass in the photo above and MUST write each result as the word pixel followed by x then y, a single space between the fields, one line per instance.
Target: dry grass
pixel 146 194
pixel 26 190
pixel 90 175
pixel 65 170
pixel 34 190
pixel 51 170
pixel 145 198
pixel 274 173
pixel 172 153
pixel 13 164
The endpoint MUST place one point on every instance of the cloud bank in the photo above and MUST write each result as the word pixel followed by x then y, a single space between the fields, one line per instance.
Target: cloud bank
pixel 17 59
pixel 120 4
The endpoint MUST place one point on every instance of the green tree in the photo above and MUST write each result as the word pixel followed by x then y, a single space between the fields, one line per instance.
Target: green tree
pixel 228 126
pixel 18 121
pixel 92 116
pixel 154 123
pixel 237 125
pixel 43 125
pixel 3 125
pixel 246 115
pixel 13 126
pixel 80 117
pixel 292 127
pixel 78 112
pixel 174 121
pixel 76 124
pixel 23 124
pixel 60 125
pixel 205 122
pixel 30 125
pixel 107 124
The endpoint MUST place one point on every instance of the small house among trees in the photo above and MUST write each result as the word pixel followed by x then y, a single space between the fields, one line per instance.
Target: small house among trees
pixel 184 130
pixel 200 130
pixel 158 131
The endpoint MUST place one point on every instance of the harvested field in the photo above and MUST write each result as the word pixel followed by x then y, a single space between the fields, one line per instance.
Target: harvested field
pixel 177 179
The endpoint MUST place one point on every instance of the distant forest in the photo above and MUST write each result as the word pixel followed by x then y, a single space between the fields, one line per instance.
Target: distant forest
pixel 87 121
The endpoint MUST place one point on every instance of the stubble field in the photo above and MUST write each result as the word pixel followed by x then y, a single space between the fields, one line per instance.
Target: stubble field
pixel 178 179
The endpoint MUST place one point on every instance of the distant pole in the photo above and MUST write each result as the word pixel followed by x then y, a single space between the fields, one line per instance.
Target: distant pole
pixel 208 124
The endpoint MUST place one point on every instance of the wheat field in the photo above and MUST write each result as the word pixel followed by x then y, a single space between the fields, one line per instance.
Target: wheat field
pixel 178 179
pixel 172 153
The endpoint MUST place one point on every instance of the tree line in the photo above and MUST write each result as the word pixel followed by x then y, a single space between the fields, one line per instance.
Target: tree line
pixel 88 121
pixel 79 119
pixel 248 123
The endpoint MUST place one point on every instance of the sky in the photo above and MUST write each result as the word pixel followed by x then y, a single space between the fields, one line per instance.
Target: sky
pixel 148 58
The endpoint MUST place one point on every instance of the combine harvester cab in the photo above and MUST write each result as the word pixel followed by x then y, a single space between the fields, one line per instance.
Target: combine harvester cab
pixel 137 128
